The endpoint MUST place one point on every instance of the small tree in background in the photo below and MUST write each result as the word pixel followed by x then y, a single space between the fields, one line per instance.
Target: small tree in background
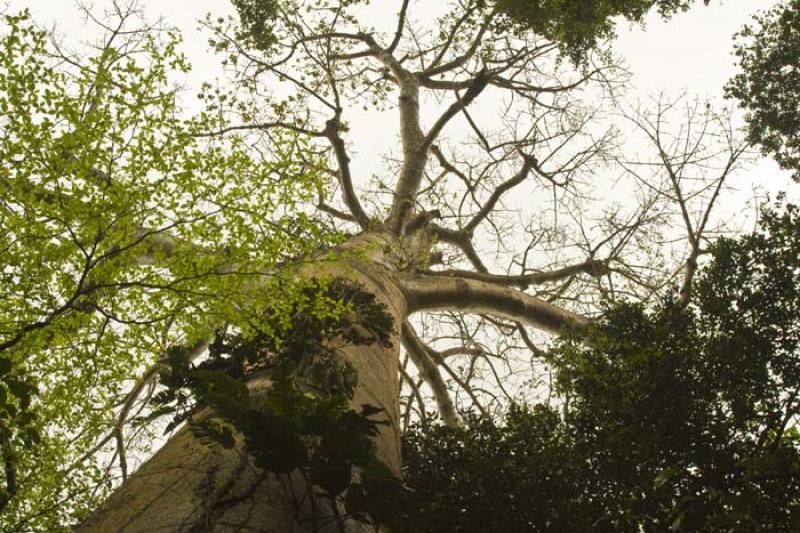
pixel 768 84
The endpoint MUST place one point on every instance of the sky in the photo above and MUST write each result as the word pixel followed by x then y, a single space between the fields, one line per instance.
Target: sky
pixel 692 52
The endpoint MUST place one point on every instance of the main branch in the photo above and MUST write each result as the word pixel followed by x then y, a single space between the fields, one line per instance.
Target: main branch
pixel 438 293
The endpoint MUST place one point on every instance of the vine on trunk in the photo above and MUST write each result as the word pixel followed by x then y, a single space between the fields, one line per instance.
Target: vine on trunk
pixel 303 421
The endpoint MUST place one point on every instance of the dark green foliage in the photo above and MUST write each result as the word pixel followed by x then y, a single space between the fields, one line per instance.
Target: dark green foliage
pixel 18 424
pixel 579 25
pixel 679 419
pixel 257 17
pixel 768 84
pixel 303 419
pixel 520 476
pixel 381 498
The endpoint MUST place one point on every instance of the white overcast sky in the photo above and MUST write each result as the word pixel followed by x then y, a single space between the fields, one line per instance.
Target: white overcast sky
pixel 691 52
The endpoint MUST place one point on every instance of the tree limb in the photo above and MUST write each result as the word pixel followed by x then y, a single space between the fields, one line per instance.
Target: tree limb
pixel 474 89
pixel 436 293
pixel 463 241
pixel 332 128
pixel 421 356
pixel 488 207
pixel 591 267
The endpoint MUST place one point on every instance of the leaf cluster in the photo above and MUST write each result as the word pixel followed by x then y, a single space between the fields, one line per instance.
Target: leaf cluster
pixel 768 83
pixel 578 26
pixel 122 231
pixel 19 426
pixel 257 17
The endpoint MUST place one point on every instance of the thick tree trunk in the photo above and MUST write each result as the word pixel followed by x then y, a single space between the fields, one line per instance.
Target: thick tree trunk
pixel 187 486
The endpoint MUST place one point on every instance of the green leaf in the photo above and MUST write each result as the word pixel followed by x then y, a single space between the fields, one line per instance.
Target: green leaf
pixel 663 477
pixel 227 395
pixel 368 410
pixel 213 432
pixel 332 475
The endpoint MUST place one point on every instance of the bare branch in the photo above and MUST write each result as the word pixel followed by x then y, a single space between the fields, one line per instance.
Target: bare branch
pixel 463 241
pixel 401 22
pixel 421 356
pixel 332 128
pixel 437 67
pixel 488 207
pixel 474 89
pixel 692 156
pixel 322 206
pixel 261 127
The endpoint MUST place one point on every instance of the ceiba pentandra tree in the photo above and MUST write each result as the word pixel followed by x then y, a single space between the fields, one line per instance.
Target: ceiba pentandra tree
pixel 491 219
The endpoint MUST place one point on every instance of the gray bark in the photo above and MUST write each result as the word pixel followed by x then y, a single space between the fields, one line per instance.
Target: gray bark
pixel 435 293
pixel 188 486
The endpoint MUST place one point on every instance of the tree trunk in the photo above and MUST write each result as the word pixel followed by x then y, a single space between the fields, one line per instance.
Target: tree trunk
pixel 188 486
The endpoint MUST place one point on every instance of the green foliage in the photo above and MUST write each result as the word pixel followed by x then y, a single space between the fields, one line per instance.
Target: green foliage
pixel 768 83
pixel 676 419
pixel 19 428
pixel 578 26
pixel 520 476
pixel 121 232
pixel 257 17
pixel 302 421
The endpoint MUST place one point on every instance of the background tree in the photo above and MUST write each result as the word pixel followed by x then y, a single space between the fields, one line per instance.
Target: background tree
pixel 681 418
pixel 469 243
pixel 579 26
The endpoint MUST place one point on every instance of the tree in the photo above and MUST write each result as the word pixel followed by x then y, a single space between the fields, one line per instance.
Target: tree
pixel 122 233
pixel 405 245
pixel 680 418
pixel 768 81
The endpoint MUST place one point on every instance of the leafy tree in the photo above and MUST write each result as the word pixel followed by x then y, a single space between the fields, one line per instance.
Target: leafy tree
pixel 257 18
pixel 767 85
pixel 678 418
pixel 214 293
pixel 579 26
pixel 122 233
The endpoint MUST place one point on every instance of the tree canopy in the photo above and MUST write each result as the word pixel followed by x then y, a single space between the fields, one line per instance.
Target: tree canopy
pixel 123 233
pixel 579 26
